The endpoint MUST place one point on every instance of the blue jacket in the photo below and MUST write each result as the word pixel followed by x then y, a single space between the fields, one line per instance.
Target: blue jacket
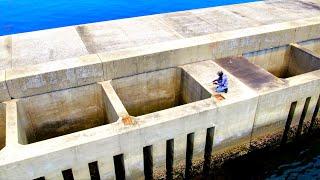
pixel 223 82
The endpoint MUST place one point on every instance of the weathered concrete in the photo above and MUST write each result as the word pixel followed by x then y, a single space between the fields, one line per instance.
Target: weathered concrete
pixel 220 28
pixel 2 126
pixel 55 75
pixel 313 45
pixel 69 42
pixel 58 113
pixel 155 91
pixel 303 61
pixel 153 87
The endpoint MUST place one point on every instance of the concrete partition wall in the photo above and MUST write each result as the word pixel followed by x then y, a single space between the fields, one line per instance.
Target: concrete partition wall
pixel 303 60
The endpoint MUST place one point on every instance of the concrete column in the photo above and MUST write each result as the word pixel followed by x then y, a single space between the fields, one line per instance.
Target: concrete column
pixel 133 163
pixel 81 172
pixel 54 176
pixel 159 159
pixel 296 119
pixel 199 146
pixel 179 157
pixel 310 111
pixel 106 168
pixel 12 134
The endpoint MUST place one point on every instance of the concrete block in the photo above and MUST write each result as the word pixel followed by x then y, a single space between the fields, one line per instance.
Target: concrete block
pixel 118 68
pixel 295 120
pixel 81 172
pixel 13 131
pixel 5 52
pixel 315 29
pixel 55 75
pixel 88 70
pixel 312 45
pixel 54 176
pixel 199 146
pixel 44 46
pixel 309 114
pixel 303 60
pixel 115 108
pixel 3 124
pixel 106 168
pixel 159 159
pixel 187 24
pixel 102 37
pixel 133 161
pixel 4 92
pixel 179 154
pixel 154 31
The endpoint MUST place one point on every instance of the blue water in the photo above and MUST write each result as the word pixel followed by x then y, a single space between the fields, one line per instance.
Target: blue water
pixel 18 16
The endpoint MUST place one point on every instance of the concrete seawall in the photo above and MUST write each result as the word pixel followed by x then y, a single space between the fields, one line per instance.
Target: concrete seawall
pixel 95 101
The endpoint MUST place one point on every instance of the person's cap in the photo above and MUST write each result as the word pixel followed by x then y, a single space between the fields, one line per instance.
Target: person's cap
pixel 220 73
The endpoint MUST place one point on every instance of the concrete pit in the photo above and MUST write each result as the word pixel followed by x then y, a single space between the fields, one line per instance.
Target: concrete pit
pixel 59 113
pixel 287 61
pixel 2 126
pixel 154 91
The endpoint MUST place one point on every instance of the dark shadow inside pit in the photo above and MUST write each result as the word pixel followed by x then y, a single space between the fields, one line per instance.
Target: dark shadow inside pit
pixel 2 126
pixel 59 113
pixel 158 90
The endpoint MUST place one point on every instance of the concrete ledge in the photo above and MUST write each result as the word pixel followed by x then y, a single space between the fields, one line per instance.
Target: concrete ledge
pixel 35 79
pixel 93 92
pixel 55 75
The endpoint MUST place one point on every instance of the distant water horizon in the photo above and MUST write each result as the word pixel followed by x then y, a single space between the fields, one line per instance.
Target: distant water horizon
pixel 18 16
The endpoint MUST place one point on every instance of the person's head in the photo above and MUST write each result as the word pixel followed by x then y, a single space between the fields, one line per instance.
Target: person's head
pixel 220 73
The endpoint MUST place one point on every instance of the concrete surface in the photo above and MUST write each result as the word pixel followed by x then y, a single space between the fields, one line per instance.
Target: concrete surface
pixel 65 109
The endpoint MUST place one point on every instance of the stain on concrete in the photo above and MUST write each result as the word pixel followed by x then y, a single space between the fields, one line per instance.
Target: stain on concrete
pixel 250 74
pixel 86 38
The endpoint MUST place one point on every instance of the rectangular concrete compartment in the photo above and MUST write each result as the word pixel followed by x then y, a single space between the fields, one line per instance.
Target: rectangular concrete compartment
pixel 284 62
pixel 154 91
pixel 59 113
pixel 2 126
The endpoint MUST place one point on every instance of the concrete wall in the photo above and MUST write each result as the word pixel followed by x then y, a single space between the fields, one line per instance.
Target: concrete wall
pixel 154 91
pixel 62 74
pixel 303 61
pixel 244 116
pixel 274 60
pixel 59 113
pixel 286 61
pixel 2 126
pixel 150 92
pixel 313 45
pixel 67 91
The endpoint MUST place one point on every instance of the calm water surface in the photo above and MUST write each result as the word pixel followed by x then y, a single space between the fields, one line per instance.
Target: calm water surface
pixel 300 160
pixel 18 16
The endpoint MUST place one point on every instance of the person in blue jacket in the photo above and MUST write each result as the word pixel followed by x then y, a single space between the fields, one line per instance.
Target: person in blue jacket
pixel 222 82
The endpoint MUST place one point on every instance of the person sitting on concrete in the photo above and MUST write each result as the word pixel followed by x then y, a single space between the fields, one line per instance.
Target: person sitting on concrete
pixel 222 83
